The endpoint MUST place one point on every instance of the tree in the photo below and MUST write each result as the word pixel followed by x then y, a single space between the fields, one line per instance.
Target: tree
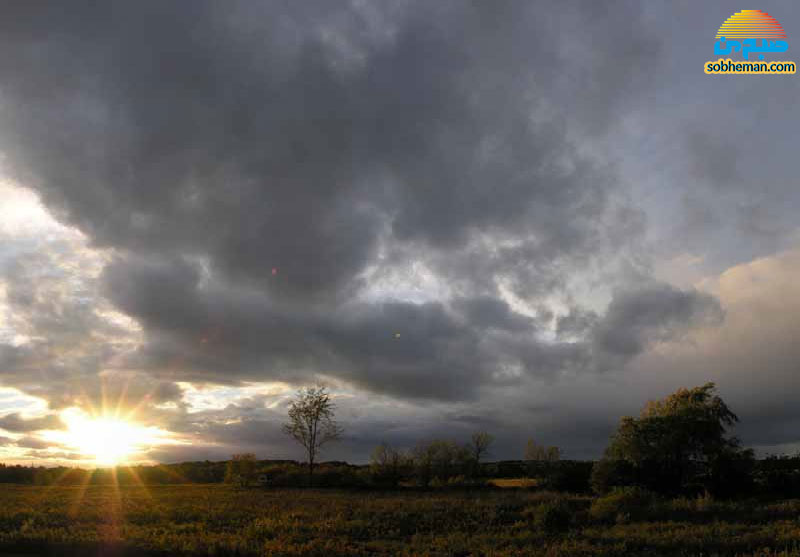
pixel 241 469
pixel 439 460
pixel 311 422
pixel 388 465
pixel 479 445
pixel 533 451
pixel 676 445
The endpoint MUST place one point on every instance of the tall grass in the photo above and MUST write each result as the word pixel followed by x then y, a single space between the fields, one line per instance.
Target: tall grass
pixel 223 520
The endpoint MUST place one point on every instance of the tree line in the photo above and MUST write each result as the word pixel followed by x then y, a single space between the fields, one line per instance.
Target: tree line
pixel 679 445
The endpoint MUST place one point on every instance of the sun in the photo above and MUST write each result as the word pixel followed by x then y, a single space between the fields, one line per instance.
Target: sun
pixel 109 440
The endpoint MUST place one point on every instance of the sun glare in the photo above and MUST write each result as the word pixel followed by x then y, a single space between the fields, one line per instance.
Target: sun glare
pixel 108 440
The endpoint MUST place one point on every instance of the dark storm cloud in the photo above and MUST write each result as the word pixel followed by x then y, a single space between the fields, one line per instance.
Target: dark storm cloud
pixel 198 451
pixel 219 334
pixel 492 313
pixel 254 166
pixel 714 158
pixel 211 334
pixel 577 322
pixel 656 312
pixel 16 423
pixel 207 140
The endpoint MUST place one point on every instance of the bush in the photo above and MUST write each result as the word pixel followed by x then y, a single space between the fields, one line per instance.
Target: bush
pixel 778 476
pixel 731 475
pixel 388 466
pixel 439 460
pixel 622 505
pixel 553 517
pixel 566 475
pixel 609 473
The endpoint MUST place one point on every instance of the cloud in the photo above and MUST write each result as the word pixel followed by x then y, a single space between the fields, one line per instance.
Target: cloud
pixel 15 423
pixel 251 180
pixel 50 455
pixel 412 201
pixel 735 329
pixel 64 333
pixel 654 312
pixel 33 443
pixel 752 355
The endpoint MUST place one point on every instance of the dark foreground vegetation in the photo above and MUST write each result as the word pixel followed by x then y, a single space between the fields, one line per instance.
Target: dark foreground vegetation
pixel 227 520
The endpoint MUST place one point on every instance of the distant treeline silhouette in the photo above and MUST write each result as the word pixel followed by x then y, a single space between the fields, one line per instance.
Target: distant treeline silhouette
pixel 559 475
pixel 778 475
pixel 677 446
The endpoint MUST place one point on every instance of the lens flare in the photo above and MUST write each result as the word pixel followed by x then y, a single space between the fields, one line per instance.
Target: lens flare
pixel 108 439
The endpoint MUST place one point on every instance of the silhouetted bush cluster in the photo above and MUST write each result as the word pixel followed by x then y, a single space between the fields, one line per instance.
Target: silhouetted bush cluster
pixel 553 517
pixel 182 473
pixel 678 446
pixel 778 476
pixel 333 474
pixel 622 505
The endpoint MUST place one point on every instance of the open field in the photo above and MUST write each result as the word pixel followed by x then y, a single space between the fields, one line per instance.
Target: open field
pixel 513 482
pixel 222 520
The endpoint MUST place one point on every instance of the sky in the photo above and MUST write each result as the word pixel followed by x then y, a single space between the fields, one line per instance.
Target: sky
pixel 517 217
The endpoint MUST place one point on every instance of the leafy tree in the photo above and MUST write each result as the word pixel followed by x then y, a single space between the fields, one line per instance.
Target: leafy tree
pixel 439 460
pixel 533 451
pixel 241 469
pixel 311 422
pixel 676 445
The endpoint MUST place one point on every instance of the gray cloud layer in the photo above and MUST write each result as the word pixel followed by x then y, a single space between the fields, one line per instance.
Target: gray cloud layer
pixel 270 178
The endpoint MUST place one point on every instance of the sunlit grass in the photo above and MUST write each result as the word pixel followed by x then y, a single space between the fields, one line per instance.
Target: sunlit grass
pixel 514 482
pixel 222 520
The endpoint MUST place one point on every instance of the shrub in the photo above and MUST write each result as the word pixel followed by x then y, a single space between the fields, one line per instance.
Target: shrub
pixel 622 505
pixel 439 460
pixel 388 466
pixel 732 474
pixel 566 475
pixel 609 473
pixel 553 517
pixel 778 476
pixel 679 446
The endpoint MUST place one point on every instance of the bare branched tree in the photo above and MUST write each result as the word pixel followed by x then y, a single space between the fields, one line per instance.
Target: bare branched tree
pixel 479 445
pixel 533 451
pixel 311 422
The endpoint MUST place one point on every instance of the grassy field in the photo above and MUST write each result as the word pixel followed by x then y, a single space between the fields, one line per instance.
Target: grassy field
pixel 222 520
pixel 513 482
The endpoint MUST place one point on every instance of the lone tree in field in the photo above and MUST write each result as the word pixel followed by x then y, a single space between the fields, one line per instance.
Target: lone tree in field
pixel 677 445
pixel 311 422
pixel 479 445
